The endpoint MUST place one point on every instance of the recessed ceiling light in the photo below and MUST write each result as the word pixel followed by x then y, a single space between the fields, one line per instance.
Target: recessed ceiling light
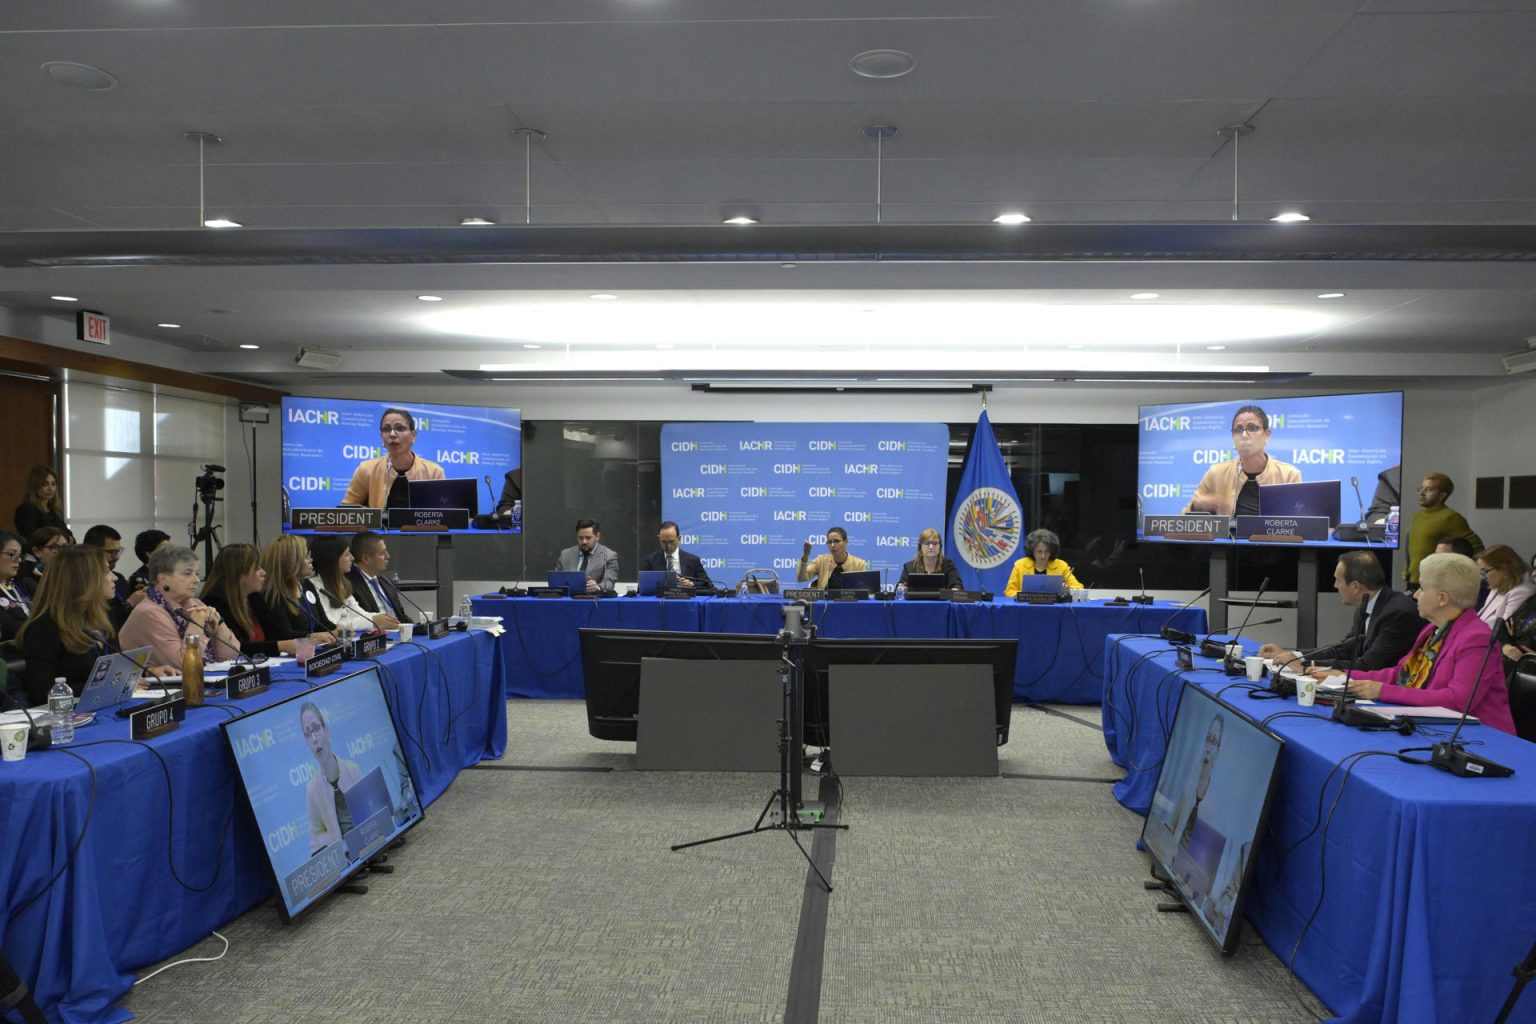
pixel 1011 218
pixel 602 296
pixel 740 220
pixel 665 344
pixel 882 64
pixel 788 266
pixel 1215 348
pixel 80 76
pixel 222 222
pixel 1146 295
pixel 527 345
pixel 430 298
pixel 1331 295
pixel 63 298
pixel 1290 217
pixel 476 222
pixel 249 346
pixel 168 326
pixel 1075 345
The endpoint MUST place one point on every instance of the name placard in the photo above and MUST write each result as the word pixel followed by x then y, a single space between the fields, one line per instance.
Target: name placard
pixel 1186 527
pixel 240 685
pixel 1283 528
pixel 429 519
pixel 336 518
pixel 547 591
pixel 804 594
pixel 370 645
pixel 677 592
pixel 325 661
pixel 157 719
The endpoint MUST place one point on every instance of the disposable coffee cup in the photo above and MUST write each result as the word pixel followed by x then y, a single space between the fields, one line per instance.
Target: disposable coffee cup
pixel 13 738
pixel 1306 691
pixel 406 629
pixel 303 647
pixel 1255 666
pixel 1234 650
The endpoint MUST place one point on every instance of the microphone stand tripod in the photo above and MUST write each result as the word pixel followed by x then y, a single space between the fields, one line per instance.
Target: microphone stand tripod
pixel 1524 972
pixel 793 639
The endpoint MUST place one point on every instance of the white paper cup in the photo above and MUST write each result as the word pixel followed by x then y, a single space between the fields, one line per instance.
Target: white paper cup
pixel 1234 650
pixel 1255 667
pixel 1306 691
pixel 13 738
pixel 406 629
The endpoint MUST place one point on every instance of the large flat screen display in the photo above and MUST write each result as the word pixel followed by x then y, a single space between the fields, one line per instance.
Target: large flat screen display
pixel 326 440
pixel 1302 471
pixel 327 780
pixel 1209 809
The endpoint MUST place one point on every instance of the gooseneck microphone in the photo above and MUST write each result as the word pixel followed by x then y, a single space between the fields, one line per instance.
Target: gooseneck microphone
pixel 1450 755
pixel 1142 598
pixel 419 609
pixel 1178 636
pixel 1214 650
pixel 495 512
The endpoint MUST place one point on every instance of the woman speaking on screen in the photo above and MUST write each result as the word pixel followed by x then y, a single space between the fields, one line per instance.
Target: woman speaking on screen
pixel 1232 487
pixel 381 482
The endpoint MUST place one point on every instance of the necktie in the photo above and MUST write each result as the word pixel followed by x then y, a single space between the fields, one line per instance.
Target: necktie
pixel 672 563
pixel 384 602
pixel 583 566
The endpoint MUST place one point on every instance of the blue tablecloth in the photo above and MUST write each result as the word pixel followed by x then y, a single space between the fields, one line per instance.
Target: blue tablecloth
pixel 165 856
pixel 1061 647
pixel 1430 897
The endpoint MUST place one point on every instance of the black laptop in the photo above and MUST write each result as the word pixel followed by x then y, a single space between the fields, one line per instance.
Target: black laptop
pixel 445 494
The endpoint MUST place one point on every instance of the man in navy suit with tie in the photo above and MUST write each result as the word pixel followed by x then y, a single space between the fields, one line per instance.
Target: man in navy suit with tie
pixel 1386 621
pixel 370 560
pixel 671 558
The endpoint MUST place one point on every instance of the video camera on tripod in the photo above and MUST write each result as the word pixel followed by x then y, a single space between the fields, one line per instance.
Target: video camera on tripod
pixel 208 486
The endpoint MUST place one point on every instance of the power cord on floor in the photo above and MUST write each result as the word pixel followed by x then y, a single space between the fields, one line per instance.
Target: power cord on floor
pixel 188 960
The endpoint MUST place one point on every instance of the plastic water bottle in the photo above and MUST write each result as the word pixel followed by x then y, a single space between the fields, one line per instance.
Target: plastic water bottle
pixel 466 608
pixel 901 591
pixel 741 590
pixel 516 520
pixel 1393 516
pixel 61 709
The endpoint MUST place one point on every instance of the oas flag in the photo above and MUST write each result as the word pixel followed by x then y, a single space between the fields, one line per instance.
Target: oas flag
pixel 986 525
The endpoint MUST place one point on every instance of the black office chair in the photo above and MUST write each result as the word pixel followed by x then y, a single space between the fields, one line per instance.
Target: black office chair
pixel 1522 697
pixel 13 680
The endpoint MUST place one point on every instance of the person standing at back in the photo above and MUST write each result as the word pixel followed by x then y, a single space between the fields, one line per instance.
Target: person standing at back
pixel 40 505
pixel 1434 520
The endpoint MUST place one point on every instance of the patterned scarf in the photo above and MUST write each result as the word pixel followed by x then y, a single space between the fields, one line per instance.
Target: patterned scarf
pixel 1421 660
pixel 158 596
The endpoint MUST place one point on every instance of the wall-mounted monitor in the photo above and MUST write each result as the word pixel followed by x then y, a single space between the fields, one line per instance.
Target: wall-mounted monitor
pixel 330 445
pixel 1318 471
pixel 1209 808
pixel 327 781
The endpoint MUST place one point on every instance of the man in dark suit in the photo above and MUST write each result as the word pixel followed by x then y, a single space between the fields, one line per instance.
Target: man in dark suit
pixel 370 560
pixel 1386 622
pixel 671 558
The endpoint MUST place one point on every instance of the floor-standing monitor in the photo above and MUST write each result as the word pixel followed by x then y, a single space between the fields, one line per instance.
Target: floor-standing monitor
pixel 1209 808
pixel 327 781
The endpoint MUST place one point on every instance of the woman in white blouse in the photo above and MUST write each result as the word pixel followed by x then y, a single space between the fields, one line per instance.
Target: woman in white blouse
pixel 333 560
pixel 1508 584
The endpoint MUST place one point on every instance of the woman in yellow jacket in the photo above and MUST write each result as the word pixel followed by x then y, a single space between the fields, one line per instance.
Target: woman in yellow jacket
pixel 1043 546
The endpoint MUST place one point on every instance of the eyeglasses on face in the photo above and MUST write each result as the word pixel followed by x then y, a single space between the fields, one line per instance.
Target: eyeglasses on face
pixel 394 428
pixel 11 553
pixel 58 545
pixel 1247 428
pixel 930 543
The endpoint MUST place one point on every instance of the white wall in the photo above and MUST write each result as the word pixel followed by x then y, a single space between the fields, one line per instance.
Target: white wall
pixel 1503 422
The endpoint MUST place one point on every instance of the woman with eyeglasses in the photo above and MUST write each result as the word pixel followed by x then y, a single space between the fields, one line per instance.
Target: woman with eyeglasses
pixel 288 606
pixel 1043 547
pixel 69 628
pixel 171 610
pixel 1508 584
pixel 332 558
pixel 46 542
pixel 41 505
pixel 1231 488
pixel 15 603
pixel 232 589
pixel 1520 627
pixel 381 482
pixel 930 560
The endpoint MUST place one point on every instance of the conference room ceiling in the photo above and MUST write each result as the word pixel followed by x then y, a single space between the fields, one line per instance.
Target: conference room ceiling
pixel 364 131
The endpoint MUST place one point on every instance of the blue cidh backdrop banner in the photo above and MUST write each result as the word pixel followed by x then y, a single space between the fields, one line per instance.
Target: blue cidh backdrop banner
pixel 1325 437
pixel 324 439
pixel 749 495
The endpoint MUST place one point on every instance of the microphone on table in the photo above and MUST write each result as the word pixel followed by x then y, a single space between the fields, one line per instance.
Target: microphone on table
pixel 495 514
pixel 1214 650
pixel 1178 636
pixel 1142 598
pixel 419 609
pixel 1451 755
pixel 39 734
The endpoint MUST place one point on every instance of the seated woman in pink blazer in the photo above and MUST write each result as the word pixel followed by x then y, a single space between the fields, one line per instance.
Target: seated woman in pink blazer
pixel 172 609
pixel 1451 656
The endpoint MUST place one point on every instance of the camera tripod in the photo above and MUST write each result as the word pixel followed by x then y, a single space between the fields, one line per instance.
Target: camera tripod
pixel 208 487
pixel 791 815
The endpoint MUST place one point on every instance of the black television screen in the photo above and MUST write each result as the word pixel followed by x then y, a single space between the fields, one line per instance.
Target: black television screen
pixel 1001 655
pixel 327 781
pixel 1209 808
pixel 610 663
pixel 1322 465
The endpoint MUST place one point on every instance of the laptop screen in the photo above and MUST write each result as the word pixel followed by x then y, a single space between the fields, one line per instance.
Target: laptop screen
pixel 462 493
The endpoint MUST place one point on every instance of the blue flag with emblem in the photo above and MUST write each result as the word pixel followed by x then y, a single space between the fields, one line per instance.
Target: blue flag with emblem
pixel 986 526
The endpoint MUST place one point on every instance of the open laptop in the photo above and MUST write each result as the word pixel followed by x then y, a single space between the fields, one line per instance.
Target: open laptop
pixel 652 581
pixel 445 494
pixel 868 581
pixel 1315 499
pixel 112 679
pixel 574 581
pixel 925 582
pixel 373 816
pixel 1035 583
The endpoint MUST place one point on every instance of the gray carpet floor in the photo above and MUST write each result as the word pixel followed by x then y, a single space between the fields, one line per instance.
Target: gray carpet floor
pixel 542 889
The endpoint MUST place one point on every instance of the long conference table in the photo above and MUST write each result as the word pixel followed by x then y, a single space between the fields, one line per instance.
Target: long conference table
pixel 1428 900
pixel 1061 646
pixel 108 862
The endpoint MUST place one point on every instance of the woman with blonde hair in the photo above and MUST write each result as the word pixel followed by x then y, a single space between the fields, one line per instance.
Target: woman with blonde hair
pixel 1508 584
pixel 931 560
pixel 288 606
pixel 232 589
pixel 40 504
pixel 69 628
